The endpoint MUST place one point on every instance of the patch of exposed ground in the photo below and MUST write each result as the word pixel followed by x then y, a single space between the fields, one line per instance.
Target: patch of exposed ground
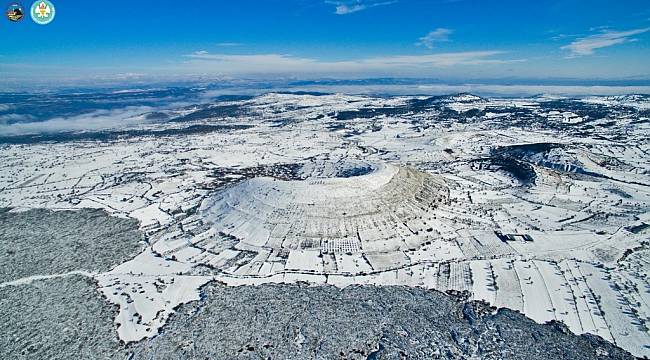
pixel 45 242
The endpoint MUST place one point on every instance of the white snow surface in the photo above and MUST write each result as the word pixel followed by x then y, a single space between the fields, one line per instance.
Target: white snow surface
pixel 393 199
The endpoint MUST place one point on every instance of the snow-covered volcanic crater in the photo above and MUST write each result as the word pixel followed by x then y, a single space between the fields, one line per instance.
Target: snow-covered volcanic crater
pixel 337 207
pixel 540 205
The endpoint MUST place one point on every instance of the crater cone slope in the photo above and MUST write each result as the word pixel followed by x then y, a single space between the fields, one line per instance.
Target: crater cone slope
pixel 347 207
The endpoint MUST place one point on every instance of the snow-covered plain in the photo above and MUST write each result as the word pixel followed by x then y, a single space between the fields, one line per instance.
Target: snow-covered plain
pixel 538 204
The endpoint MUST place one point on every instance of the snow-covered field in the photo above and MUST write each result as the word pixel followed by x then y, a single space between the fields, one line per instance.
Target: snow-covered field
pixel 541 204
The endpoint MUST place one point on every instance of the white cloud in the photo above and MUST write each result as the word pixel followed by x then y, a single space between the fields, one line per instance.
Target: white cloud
pixel 287 64
pixel 434 36
pixel 349 7
pixel 440 60
pixel 588 45
pixel 229 44
pixel 98 120
pixel 11 118
pixel 478 89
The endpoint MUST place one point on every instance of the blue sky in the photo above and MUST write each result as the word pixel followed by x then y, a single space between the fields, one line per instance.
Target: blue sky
pixel 444 39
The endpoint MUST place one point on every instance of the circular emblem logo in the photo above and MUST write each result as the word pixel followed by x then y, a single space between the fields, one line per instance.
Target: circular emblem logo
pixel 43 12
pixel 15 12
